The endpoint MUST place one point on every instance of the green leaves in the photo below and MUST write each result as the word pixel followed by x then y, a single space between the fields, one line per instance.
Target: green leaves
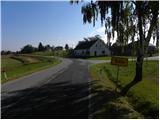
pixel 90 13
pixel 122 17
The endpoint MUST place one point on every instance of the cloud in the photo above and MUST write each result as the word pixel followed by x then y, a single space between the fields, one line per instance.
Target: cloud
pixel 101 31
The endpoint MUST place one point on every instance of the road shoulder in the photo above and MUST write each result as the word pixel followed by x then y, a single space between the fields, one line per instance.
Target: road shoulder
pixel 35 78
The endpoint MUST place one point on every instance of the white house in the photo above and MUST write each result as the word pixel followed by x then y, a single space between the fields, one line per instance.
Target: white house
pixel 91 48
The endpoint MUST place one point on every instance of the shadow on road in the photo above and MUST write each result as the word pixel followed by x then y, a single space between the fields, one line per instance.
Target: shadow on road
pixel 58 100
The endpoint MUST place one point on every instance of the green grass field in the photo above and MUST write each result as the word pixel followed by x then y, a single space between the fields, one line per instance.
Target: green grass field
pixel 45 53
pixel 144 96
pixel 105 58
pixel 9 63
pixel 59 53
pixel 18 66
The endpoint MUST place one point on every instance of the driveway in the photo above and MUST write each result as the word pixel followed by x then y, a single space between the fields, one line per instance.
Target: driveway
pixel 60 92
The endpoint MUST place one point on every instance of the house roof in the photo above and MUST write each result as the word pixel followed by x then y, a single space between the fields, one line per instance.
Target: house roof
pixel 85 44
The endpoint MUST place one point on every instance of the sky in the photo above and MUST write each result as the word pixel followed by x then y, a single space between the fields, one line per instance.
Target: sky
pixel 55 23
pixel 51 22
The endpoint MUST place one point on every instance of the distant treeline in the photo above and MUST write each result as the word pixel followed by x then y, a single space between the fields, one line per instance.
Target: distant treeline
pixel 30 49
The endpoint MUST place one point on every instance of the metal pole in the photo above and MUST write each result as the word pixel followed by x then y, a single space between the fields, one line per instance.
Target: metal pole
pixel 117 77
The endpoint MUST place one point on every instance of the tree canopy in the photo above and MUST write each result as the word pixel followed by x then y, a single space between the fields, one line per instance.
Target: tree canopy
pixel 132 20
pixel 122 17
pixel 66 47
pixel 27 49
pixel 41 47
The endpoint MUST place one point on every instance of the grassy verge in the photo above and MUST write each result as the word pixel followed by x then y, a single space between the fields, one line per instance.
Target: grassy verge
pixel 25 60
pixel 143 96
pixel 18 66
pixel 59 53
pixel 44 53
pixel 105 58
pixel 99 58
pixel 9 63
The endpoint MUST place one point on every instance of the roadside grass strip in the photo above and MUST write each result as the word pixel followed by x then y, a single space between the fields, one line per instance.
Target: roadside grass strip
pixel 106 57
pixel 9 63
pixel 99 58
pixel 25 60
pixel 142 100
pixel 44 53
pixel 18 66
pixel 60 53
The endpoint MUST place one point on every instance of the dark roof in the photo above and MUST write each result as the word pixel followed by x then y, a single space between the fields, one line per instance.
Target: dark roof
pixel 85 44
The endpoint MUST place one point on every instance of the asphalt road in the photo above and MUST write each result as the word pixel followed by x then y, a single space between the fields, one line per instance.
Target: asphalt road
pixel 37 78
pixel 59 92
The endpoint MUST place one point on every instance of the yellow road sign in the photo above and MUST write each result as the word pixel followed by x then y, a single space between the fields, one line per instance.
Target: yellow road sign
pixel 121 61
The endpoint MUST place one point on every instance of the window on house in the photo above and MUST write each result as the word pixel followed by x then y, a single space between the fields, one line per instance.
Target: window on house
pixel 103 52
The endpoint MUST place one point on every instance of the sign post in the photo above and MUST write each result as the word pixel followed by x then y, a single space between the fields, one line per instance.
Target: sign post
pixel 119 61
pixel 117 77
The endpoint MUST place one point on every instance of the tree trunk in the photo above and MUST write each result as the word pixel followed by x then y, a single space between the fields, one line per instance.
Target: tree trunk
pixel 138 76
pixel 140 53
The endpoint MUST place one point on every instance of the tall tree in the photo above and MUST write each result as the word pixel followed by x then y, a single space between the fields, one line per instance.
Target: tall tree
pixel 131 20
pixel 27 49
pixel 47 47
pixel 66 47
pixel 40 47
